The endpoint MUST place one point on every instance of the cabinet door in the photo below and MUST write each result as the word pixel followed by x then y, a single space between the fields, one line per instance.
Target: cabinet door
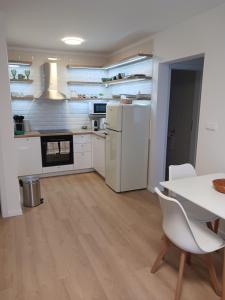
pixel 29 156
pixel 99 155
pixel 95 156
pixel 82 160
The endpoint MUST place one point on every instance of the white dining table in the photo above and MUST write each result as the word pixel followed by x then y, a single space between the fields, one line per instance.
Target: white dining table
pixel 200 191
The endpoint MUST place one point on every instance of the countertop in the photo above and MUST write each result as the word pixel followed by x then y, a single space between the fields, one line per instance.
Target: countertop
pixel 99 133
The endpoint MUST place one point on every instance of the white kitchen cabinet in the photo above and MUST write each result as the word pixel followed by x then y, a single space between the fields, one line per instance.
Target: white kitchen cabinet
pixel 29 156
pixel 99 154
pixel 82 151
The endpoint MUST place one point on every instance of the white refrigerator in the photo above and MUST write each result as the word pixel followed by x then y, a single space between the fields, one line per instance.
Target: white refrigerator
pixel 127 146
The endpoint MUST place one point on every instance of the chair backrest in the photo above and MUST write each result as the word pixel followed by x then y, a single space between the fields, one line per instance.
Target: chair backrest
pixel 181 171
pixel 176 225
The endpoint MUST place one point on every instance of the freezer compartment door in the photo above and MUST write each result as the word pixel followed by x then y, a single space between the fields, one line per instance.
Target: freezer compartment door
pixel 114 116
pixel 113 159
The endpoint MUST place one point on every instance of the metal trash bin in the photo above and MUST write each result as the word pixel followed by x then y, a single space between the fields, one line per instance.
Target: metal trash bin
pixel 31 191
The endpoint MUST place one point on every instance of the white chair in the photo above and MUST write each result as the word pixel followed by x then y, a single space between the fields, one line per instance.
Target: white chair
pixel 190 236
pixel 193 211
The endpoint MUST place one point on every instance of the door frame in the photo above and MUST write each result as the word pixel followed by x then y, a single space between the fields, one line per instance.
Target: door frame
pixel 159 118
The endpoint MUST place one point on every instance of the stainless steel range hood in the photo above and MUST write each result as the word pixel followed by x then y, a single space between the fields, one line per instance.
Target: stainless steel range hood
pixel 51 83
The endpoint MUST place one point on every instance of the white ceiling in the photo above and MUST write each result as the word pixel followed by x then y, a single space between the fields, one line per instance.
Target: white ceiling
pixel 106 25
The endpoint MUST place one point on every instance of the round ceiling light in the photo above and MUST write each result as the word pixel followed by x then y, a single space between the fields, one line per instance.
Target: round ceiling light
pixel 52 58
pixel 70 40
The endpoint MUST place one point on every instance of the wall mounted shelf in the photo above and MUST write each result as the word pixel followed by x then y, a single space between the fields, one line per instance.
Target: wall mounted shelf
pixel 27 97
pixel 124 62
pixel 28 81
pixel 84 82
pixel 19 63
pixel 91 99
pixel 73 66
pixel 129 60
pixel 122 81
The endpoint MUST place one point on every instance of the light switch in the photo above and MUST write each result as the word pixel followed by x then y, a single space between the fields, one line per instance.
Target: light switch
pixel 212 126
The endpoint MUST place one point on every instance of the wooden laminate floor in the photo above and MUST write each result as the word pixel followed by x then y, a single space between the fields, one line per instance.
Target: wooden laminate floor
pixel 88 243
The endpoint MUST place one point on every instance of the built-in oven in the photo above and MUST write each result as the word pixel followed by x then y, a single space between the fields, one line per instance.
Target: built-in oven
pixel 57 150
pixel 97 108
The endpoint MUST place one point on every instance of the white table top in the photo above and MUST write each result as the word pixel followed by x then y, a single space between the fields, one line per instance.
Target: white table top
pixel 200 191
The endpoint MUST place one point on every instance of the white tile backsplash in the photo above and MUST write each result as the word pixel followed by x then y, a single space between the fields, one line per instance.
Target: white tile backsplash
pixel 53 114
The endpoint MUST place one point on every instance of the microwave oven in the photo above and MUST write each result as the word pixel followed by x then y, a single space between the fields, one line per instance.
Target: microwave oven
pixel 97 108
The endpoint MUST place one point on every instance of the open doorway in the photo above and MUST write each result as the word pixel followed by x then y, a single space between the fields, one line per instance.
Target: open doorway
pixel 184 106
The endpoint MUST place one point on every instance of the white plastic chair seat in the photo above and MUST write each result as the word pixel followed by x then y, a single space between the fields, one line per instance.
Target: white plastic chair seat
pixel 190 236
pixel 186 233
pixel 195 212
pixel 206 238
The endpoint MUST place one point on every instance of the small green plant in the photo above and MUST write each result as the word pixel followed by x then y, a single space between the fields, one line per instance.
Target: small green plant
pixel 13 72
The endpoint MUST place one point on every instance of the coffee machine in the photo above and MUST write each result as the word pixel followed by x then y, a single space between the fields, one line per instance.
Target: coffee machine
pixel 19 124
pixel 98 124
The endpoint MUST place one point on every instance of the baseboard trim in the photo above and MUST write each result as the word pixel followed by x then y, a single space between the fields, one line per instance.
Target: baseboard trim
pixel 13 213
pixel 53 174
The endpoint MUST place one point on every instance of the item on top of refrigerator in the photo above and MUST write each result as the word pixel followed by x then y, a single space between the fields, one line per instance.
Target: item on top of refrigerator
pixel 125 100
pixel 128 96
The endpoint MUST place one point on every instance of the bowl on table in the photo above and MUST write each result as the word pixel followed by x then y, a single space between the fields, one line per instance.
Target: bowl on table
pixel 219 185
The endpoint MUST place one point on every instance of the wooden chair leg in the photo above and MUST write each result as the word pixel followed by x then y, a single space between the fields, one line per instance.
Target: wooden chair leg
pixel 210 225
pixel 216 225
pixel 212 273
pixel 180 276
pixel 188 259
pixel 164 248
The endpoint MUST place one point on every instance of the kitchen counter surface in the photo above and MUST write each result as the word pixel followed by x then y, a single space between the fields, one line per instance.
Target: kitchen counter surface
pixel 74 132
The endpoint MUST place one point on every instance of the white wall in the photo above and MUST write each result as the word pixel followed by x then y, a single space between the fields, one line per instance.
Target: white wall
pixel 203 34
pixel 9 188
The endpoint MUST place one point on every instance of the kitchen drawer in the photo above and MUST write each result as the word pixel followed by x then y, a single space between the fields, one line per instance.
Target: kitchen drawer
pixel 82 138
pixel 58 168
pixel 82 160
pixel 82 147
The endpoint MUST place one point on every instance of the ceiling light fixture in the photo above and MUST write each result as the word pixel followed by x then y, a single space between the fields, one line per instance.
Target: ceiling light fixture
pixel 70 40
pixel 52 58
